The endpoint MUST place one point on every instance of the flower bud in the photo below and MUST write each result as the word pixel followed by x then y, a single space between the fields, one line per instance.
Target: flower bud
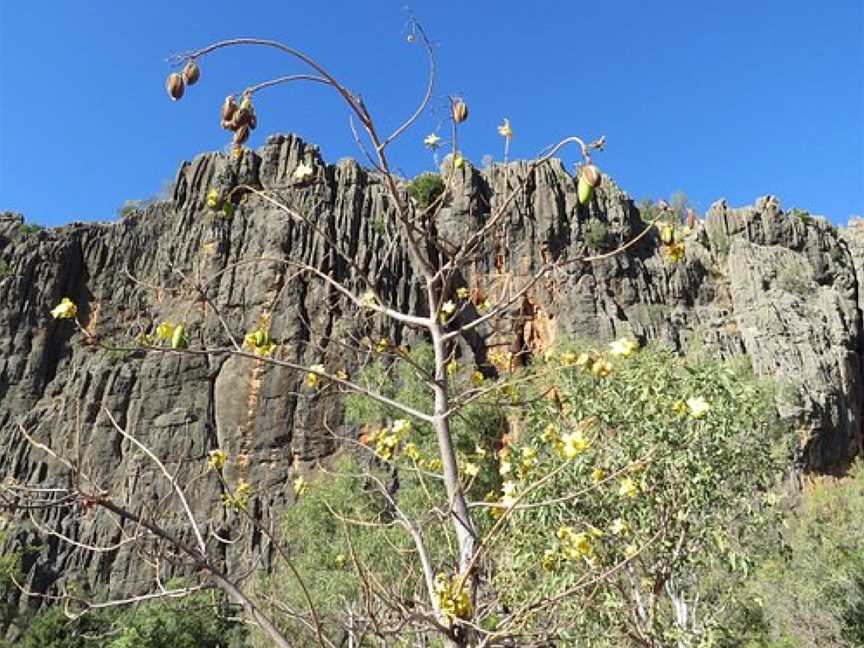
pixel 175 86
pixel 459 110
pixel 191 73
pixel 241 135
pixel 228 110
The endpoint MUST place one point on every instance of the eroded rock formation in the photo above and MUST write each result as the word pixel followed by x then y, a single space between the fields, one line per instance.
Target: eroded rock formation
pixel 755 280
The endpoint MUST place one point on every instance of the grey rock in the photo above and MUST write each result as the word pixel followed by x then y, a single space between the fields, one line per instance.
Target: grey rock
pixel 755 281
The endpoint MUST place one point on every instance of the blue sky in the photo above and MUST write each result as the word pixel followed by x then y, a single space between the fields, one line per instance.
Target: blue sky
pixel 730 99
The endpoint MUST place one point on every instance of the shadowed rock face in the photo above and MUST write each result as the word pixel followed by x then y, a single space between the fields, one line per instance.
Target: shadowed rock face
pixel 755 281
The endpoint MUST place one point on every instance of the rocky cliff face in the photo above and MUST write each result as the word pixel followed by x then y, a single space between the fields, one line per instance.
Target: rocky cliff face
pixel 780 288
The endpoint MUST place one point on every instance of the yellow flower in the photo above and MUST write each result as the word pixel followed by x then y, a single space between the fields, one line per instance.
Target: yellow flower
pixel 549 559
pixel 178 338
pixel 585 359
pixel 574 545
pixel 303 172
pixel 623 347
pixel 477 378
pixel 313 379
pixel 448 307
pixel 628 488
pixel 631 550
pixel 382 345
pixel 508 488
pixel 300 485
pixel 165 330
pixel 619 527
pixel 549 434
pixel 452 367
pixel 341 374
pixel 505 467
pixel 505 131
pixel 471 469
pixel 432 141
pixel 216 459
pixel 462 292
pixel 240 498
pixel 458 161
pixel 573 444
pixel 679 407
pixel 368 298
pixel 675 252
pixel 601 367
pixel 454 600
pixel 66 309
pixel 401 427
pixel 484 306
pixel 598 475
pixel 568 358
pixel 213 199
pixel 411 451
pixel 339 560
pixel 698 407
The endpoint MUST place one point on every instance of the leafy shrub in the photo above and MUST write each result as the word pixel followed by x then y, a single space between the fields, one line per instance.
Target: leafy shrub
pixel 5 270
pixel 596 233
pixel 426 188
pixel 29 229
pixel 812 594
pixel 190 623
pixel 641 474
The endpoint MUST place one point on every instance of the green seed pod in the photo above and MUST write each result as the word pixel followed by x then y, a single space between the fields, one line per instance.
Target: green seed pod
pixel 175 86
pixel 585 191
pixel 178 340
pixel 589 179
pixel 667 234
pixel 191 73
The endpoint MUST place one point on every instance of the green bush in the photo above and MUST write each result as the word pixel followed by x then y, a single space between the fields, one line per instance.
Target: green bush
pixel 192 622
pixel 426 188
pixel 596 234
pixel 812 594
pixel 651 469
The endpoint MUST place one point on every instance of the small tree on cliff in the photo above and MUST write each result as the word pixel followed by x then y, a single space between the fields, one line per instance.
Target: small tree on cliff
pixel 438 435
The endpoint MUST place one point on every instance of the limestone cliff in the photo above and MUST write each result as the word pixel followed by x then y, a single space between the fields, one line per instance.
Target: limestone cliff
pixel 780 288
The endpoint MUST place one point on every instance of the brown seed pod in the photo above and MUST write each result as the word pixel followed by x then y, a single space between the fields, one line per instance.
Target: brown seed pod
pixel 592 175
pixel 240 118
pixel 191 73
pixel 241 134
pixel 228 110
pixel 459 110
pixel 175 86
pixel 253 121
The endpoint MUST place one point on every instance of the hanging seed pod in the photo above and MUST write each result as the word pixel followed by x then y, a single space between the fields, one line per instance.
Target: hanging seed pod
pixel 667 234
pixel 589 179
pixel 246 103
pixel 241 135
pixel 228 110
pixel 241 118
pixel 175 86
pixel 459 110
pixel 191 73
pixel 253 121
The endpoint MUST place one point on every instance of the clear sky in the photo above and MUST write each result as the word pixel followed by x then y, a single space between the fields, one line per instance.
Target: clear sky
pixel 730 99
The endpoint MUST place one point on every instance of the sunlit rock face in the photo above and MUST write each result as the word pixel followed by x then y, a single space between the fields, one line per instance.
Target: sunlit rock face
pixel 776 286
